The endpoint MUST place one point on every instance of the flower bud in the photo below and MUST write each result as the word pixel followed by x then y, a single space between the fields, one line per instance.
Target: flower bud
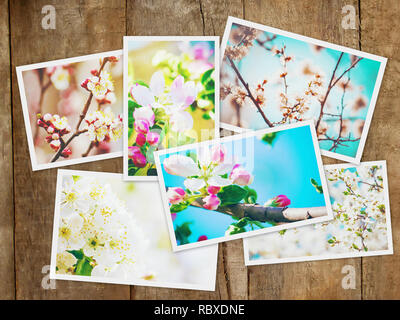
pixel 140 139
pixel 137 157
pixel 278 201
pixel 211 202
pixel 141 126
pixel 55 136
pixel 153 138
pixel 176 195
pixel 84 84
pixel 50 129
pixel 241 176
pixel 47 117
pixel 213 189
pixel 66 152
pixel 55 144
pixel 218 153
pixel 202 238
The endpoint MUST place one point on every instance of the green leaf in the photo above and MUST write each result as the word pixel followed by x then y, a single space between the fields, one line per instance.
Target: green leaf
pixel 251 196
pixel 282 232
pixel 183 232
pixel 174 208
pixel 75 178
pixel 317 187
pixel 84 264
pixel 231 194
pixel 206 116
pixel 206 76
pixel 142 83
pixel 232 229
pixel 269 138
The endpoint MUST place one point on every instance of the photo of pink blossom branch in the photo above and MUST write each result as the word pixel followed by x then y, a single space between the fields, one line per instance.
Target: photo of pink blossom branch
pixel 72 109
pixel 270 77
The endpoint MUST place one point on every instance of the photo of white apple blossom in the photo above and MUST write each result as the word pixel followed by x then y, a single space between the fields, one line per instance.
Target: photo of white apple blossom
pixel 108 230
pixel 361 224
pixel 255 183
pixel 171 98
pixel 74 108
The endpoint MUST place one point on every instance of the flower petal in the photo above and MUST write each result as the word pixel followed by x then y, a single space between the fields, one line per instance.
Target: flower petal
pixel 219 181
pixel 142 95
pixel 181 166
pixel 194 184
pixel 157 83
pixel 181 121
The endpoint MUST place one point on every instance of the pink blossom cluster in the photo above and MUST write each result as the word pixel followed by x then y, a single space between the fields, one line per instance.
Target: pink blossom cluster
pixel 209 172
pixel 56 127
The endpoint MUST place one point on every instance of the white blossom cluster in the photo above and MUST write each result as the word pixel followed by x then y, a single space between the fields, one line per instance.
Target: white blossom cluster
pixel 359 223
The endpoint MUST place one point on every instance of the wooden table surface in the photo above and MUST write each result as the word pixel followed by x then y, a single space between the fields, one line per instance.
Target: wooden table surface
pixel 84 27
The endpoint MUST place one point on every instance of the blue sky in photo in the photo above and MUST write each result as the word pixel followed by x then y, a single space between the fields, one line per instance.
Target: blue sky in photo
pixel 286 168
pixel 259 64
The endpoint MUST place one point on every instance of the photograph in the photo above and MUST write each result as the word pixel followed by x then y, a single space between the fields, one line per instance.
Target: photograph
pixel 169 100
pixel 271 77
pixel 361 226
pixel 112 231
pixel 243 185
pixel 73 109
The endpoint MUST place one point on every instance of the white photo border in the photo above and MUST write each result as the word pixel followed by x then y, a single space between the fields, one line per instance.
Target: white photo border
pixel 28 128
pixel 61 173
pixel 371 108
pixel 247 134
pixel 215 39
pixel 388 251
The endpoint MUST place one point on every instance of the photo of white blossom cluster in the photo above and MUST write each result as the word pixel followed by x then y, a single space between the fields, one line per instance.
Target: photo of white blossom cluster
pixel 361 224
pixel 107 230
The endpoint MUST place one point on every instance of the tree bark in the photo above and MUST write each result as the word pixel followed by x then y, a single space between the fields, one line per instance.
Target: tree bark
pixel 268 214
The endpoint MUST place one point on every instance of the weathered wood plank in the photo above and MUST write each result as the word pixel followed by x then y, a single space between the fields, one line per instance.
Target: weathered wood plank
pixel 318 280
pixel 7 280
pixel 185 18
pixel 379 35
pixel 81 28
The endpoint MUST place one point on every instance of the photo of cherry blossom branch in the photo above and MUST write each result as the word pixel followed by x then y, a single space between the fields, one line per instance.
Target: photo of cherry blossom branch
pixel 72 109
pixel 242 186
pixel 270 78
pixel 361 224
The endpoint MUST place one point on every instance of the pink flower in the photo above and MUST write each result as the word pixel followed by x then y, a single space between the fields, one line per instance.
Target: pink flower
pixel 202 238
pixel 211 202
pixel 137 157
pixel 140 139
pixel 141 126
pixel 202 51
pixel 153 138
pixel 173 216
pixel 183 94
pixel 278 201
pixel 144 113
pixel 176 195
pixel 218 153
pixel 213 189
pixel 66 152
pixel 241 176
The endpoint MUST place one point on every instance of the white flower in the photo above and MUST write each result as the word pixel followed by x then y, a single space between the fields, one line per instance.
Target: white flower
pixel 60 78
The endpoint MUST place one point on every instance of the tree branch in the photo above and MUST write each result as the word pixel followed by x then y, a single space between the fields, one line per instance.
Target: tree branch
pixel 249 94
pixel 266 214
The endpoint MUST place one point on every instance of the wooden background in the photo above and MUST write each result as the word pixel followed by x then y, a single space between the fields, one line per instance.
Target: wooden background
pixel 84 27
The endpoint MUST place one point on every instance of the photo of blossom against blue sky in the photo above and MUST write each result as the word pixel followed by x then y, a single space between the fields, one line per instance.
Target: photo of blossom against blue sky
pixel 268 79
pixel 221 191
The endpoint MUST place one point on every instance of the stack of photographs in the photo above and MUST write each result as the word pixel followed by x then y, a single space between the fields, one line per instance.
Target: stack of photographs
pixel 160 103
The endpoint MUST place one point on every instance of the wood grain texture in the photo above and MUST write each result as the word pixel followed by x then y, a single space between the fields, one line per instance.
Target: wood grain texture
pixel 7 280
pixel 380 35
pixel 320 279
pixel 81 28
pixel 85 27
